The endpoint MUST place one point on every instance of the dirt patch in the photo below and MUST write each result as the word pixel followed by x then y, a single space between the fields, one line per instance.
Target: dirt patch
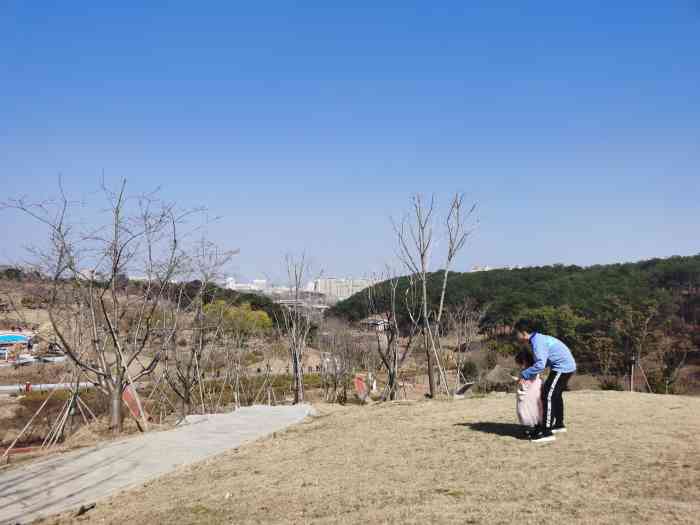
pixel 34 373
pixel 627 458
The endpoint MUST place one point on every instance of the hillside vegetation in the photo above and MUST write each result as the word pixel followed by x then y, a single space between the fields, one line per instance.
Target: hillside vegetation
pixel 609 313
pixel 587 290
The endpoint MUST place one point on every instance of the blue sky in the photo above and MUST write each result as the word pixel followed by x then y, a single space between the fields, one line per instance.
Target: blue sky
pixel 575 128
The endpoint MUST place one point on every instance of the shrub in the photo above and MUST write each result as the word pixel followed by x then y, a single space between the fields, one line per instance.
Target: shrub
pixel 485 387
pixel 657 382
pixel 504 347
pixel 30 403
pixel 610 383
pixel 28 302
pixel 14 274
pixel 253 357
pixel 491 359
pixel 470 371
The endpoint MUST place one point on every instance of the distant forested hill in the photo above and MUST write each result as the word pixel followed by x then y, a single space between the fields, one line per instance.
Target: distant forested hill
pixel 510 293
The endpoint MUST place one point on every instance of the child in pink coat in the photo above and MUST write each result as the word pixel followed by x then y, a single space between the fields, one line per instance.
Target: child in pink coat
pixel 529 395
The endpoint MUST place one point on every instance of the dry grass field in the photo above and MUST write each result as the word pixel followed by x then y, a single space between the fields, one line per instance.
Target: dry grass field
pixel 628 458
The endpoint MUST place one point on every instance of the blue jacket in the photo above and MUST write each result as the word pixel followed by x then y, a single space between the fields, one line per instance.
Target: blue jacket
pixel 551 353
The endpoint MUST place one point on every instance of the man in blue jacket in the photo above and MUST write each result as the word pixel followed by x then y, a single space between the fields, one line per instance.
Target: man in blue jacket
pixel 549 352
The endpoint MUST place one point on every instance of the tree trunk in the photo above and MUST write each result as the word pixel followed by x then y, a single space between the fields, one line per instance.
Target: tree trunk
pixel 185 404
pixel 298 379
pixel 431 374
pixel 392 385
pixel 115 410
pixel 426 334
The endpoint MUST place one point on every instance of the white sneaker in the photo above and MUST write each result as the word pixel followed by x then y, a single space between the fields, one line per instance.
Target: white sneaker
pixel 560 430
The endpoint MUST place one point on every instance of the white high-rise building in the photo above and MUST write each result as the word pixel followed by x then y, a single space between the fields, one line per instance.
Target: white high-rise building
pixel 340 289
pixel 258 285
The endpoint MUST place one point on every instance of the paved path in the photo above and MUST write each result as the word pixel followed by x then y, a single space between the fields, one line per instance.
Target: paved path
pixel 69 480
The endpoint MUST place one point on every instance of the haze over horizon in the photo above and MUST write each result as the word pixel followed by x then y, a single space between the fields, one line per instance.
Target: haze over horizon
pixel 576 129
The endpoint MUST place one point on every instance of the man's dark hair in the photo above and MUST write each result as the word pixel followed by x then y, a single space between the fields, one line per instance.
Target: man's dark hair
pixel 524 358
pixel 526 325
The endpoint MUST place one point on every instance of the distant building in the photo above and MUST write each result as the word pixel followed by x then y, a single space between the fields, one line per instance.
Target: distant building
pixel 375 323
pixel 340 289
pixel 258 285
pixel 279 290
pixel 90 274
pixel 478 268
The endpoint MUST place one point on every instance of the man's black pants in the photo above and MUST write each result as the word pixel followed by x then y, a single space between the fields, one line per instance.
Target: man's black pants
pixel 552 402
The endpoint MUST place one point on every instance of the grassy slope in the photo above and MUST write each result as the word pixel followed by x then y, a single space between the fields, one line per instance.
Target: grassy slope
pixel 627 458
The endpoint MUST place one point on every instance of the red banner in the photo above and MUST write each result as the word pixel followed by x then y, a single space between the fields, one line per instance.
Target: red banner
pixel 361 387
pixel 129 397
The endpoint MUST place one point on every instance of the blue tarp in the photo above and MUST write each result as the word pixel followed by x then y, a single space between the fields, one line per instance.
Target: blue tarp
pixel 10 338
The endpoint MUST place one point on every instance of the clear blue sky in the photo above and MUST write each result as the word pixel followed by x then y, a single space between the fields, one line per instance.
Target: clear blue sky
pixel 575 128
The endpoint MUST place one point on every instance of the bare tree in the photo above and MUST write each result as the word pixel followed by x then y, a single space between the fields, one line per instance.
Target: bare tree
pixel 465 321
pixel 415 239
pixel 456 225
pixel 231 329
pixel 382 303
pixel 194 336
pixel 295 323
pixel 604 349
pixel 104 323
pixel 635 323
pixel 672 351
pixel 340 355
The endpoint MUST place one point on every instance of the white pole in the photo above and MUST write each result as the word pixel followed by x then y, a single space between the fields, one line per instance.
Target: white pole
pixel 632 376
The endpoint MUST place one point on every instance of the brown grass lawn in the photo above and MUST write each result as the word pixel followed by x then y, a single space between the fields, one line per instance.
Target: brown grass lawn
pixel 628 458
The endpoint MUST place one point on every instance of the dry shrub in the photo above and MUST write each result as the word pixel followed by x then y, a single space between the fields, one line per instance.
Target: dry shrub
pixel 29 404
pixel 99 430
pixel 253 386
pixel 610 383
pixel 35 373
pixel 470 370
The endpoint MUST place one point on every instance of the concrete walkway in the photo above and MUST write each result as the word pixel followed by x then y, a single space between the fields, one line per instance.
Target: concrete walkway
pixel 67 481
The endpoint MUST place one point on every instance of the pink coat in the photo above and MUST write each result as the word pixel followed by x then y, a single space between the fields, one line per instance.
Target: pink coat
pixel 529 401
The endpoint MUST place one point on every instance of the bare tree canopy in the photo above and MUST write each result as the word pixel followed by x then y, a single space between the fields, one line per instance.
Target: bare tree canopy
pixel 112 283
pixel 295 323
pixel 415 241
pixel 383 301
